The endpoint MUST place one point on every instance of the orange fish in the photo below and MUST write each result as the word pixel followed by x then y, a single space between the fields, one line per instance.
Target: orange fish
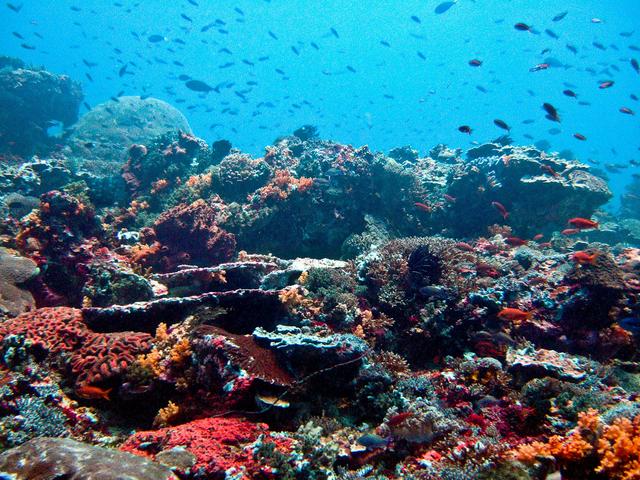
pixel 582 223
pixel 90 392
pixel 583 257
pixel 514 314
pixel 538 236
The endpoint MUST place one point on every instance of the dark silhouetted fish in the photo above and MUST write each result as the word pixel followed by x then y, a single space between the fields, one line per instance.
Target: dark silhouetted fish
pixel 552 34
pixel 552 112
pixel 443 7
pixel 198 86
pixel 502 124
pixel 156 38
pixel 559 16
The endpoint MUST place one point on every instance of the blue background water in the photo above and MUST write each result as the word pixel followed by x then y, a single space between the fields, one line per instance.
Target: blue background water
pixel 426 99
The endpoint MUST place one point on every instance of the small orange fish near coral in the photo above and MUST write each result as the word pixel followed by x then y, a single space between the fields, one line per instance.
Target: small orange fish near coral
pixel 514 314
pixel 89 392
pixel 583 258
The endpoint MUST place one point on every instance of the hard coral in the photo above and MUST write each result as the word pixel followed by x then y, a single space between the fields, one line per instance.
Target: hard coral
pixel 193 230
pixel 94 357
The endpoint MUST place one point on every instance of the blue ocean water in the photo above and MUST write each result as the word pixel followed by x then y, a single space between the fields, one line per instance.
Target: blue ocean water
pixel 381 73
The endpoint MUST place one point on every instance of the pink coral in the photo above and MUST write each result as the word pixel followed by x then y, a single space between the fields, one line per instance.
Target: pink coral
pixel 219 444
pixel 94 357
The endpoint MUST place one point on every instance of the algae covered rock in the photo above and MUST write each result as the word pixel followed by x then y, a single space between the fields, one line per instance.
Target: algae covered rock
pixel 31 98
pixel 15 271
pixel 538 191
pixel 106 132
pixel 57 458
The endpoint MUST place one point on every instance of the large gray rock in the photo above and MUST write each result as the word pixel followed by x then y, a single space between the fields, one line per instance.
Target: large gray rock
pixel 30 99
pixel 57 458
pixel 15 271
pixel 104 134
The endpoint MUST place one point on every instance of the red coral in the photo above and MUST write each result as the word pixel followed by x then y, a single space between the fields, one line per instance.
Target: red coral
pixel 95 357
pixel 192 230
pixel 219 444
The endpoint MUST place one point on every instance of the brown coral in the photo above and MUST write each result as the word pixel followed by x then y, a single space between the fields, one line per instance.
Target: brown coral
pixel 192 230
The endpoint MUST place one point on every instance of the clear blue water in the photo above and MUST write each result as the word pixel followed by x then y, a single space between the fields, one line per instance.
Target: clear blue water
pixel 393 98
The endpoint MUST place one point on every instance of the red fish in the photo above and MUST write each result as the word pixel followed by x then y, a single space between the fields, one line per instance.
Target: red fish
pixel 538 237
pixel 424 207
pixel 449 198
pixel 486 269
pixel 514 314
pixel 501 208
pixel 570 231
pixel 549 170
pixel 582 223
pixel 515 241
pixel 584 258
pixel 398 418
pixel 465 246
pixel 90 392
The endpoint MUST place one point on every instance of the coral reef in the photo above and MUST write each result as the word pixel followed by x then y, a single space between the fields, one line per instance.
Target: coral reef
pixel 321 311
